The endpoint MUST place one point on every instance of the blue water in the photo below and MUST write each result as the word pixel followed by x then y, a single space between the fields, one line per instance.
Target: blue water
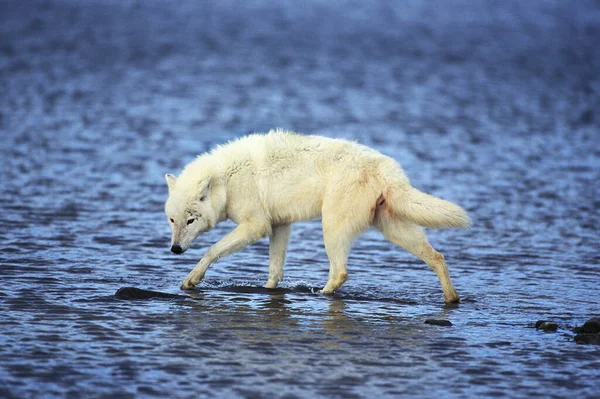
pixel 493 105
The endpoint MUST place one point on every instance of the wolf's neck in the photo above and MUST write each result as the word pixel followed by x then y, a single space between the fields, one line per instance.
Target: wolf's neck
pixel 199 169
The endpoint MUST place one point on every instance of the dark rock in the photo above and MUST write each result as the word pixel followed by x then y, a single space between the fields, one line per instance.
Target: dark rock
pixel 589 333
pixel 546 326
pixel 438 322
pixel 138 293
pixel 539 323
pixel 592 326
pixel 498 344
pixel 590 339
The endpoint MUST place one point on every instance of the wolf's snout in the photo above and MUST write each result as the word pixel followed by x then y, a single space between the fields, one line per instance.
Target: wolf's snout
pixel 176 249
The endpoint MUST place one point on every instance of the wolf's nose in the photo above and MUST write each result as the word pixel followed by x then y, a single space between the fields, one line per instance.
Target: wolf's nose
pixel 176 249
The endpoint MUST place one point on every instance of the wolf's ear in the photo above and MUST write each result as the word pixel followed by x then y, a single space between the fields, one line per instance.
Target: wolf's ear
pixel 171 179
pixel 204 188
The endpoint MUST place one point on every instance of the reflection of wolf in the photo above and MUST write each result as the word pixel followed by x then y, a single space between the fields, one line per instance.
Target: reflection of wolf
pixel 264 183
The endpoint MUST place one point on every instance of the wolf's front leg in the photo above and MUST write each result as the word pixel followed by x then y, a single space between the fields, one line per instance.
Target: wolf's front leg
pixel 278 243
pixel 243 235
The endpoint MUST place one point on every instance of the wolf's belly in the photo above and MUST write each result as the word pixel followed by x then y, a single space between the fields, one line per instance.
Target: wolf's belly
pixel 289 202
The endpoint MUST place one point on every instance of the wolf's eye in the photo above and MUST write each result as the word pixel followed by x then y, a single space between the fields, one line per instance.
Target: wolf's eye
pixel 190 221
pixel 172 221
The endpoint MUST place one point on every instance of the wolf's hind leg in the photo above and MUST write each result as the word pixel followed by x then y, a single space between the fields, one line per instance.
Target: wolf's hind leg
pixel 343 220
pixel 337 251
pixel 412 238
pixel 278 243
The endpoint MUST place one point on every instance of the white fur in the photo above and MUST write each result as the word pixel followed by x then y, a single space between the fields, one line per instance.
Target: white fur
pixel 265 182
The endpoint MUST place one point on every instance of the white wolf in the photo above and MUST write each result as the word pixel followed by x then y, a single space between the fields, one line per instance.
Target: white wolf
pixel 266 182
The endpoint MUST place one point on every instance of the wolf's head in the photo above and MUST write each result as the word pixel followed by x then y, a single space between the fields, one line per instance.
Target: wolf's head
pixel 189 211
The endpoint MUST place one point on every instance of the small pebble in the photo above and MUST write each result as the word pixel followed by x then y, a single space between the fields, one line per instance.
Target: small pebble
pixel 547 326
pixel 539 323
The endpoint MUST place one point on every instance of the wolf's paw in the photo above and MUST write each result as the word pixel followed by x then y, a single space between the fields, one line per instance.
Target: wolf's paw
pixel 452 301
pixel 187 285
pixel 326 292
pixel 191 280
pixel 271 284
pixel 452 298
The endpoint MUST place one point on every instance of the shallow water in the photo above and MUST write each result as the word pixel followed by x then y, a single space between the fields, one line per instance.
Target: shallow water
pixel 493 106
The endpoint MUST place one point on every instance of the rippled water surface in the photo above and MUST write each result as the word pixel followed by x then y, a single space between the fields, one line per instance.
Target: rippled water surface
pixel 493 105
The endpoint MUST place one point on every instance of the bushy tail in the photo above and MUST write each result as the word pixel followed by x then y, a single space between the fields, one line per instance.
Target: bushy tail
pixel 427 210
